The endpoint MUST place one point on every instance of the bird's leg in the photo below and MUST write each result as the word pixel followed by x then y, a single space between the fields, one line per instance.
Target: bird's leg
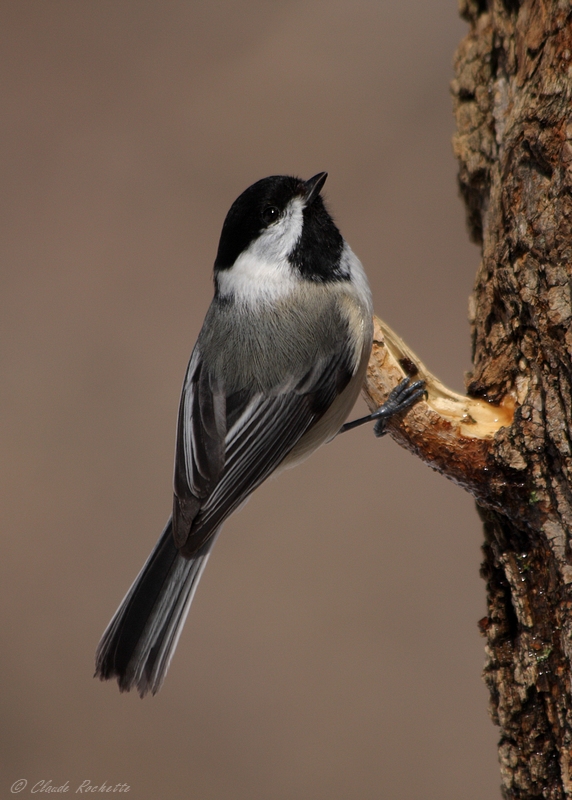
pixel 402 397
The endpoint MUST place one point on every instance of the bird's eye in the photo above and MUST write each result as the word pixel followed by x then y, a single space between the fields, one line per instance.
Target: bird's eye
pixel 270 214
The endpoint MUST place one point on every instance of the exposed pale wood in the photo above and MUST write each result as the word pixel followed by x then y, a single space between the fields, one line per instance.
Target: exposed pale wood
pixel 452 433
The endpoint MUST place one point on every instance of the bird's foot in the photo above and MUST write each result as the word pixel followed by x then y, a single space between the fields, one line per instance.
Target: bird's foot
pixel 402 397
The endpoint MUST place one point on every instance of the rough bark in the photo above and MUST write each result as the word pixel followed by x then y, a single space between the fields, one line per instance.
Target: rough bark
pixel 513 92
pixel 513 104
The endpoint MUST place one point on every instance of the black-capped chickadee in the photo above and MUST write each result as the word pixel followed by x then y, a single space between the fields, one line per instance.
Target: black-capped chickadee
pixel 277 367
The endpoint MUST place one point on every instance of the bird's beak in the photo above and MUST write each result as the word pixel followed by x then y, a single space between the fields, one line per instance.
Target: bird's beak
pixel 313 187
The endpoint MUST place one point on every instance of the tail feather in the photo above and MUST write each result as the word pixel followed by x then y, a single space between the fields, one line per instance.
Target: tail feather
pixel 140 640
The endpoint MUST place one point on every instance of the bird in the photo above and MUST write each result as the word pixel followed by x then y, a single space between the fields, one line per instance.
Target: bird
pixel 275 371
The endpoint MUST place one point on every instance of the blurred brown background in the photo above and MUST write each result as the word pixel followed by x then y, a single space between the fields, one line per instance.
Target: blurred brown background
pixel 332 650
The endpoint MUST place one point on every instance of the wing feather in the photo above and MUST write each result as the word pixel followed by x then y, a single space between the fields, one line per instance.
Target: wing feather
pixel 219 465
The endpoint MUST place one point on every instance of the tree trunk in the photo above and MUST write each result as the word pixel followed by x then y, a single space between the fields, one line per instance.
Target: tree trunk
pixel 512 91
pixel 509 441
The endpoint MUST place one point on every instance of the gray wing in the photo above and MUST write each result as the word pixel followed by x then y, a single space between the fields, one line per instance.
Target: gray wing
pixel 227 445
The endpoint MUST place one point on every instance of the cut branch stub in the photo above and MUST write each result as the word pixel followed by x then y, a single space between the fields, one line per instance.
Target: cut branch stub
pixel 454 434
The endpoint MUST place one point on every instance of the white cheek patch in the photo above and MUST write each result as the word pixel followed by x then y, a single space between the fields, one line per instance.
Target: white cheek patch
pixel 253 279
pixel 262 272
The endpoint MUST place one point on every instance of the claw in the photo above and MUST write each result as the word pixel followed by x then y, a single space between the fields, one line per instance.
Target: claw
pixel 402 397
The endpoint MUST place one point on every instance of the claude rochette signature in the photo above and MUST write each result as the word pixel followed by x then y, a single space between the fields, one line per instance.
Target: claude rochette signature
pixel 85 787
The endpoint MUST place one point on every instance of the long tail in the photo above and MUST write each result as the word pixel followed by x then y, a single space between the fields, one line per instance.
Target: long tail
pixel 140 640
